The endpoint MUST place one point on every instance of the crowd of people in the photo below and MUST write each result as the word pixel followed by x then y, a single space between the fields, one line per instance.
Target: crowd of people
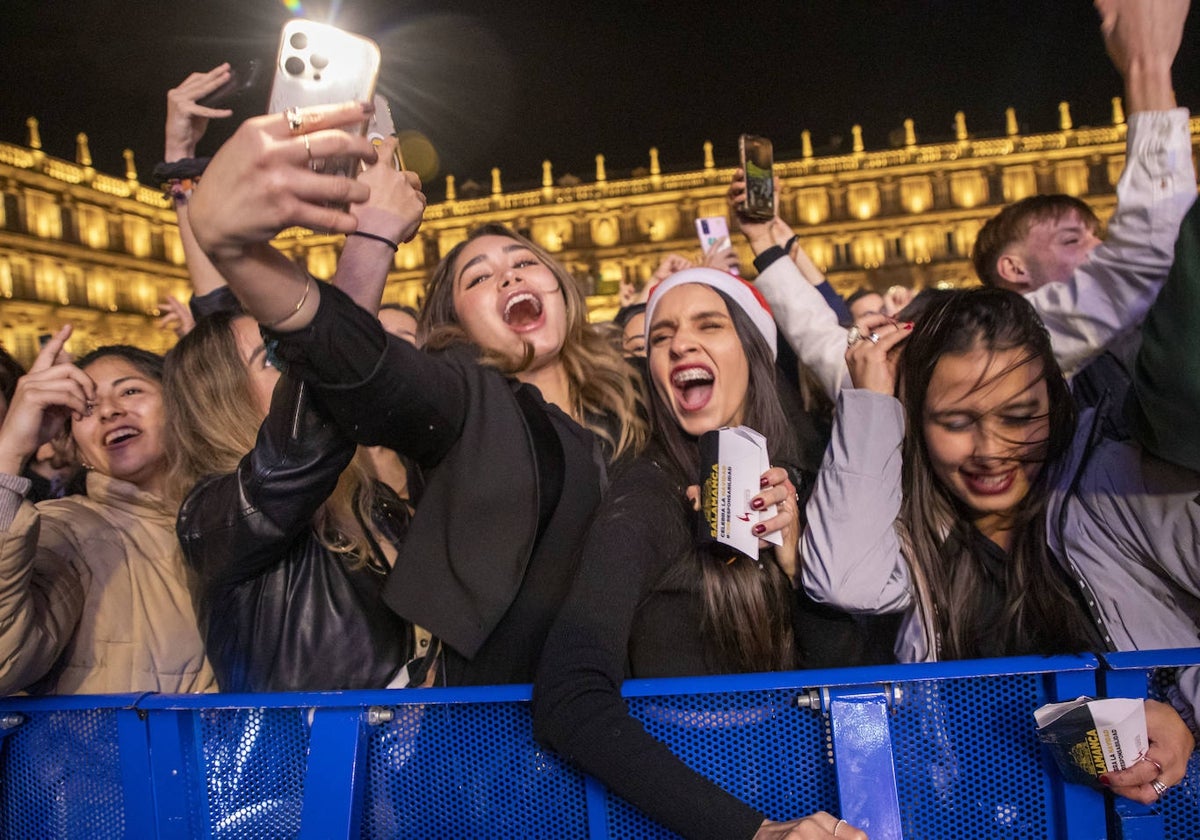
pixel 314 491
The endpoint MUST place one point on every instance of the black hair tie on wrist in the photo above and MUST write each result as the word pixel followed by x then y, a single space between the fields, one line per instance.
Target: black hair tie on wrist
pixel 393 245
pixel 186 168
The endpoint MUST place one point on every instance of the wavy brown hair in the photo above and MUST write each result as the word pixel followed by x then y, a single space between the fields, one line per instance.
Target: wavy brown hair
pixel 747 609
pixel 601 383
pixel 1039 613
pixel 213 422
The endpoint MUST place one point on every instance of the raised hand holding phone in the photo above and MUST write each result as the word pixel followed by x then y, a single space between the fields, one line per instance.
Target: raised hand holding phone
pixel 187 119
pixel 319 64
pixel 758 163
pixel 260 182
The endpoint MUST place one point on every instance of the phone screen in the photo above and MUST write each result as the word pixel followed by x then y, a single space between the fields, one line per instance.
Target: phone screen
pixel 758 161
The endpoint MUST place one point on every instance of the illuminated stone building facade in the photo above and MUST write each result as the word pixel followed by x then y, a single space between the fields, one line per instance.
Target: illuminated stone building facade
pixel 102 251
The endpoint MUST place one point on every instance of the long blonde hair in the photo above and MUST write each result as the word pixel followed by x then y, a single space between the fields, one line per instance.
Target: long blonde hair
pixel 212 423
pixel 601 382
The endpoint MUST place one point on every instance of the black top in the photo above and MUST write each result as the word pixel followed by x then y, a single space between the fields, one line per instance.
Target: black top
pixel 511 483
pixel 634 611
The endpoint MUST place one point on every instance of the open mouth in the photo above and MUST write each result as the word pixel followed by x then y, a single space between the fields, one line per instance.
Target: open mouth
pixel 693 387
pixel 523 311
pixel 989 484
pixel 121 436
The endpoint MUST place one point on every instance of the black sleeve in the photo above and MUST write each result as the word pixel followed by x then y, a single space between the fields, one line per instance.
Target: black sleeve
pixel 577 704
pixel 767 257
pixel 379 389
pixel 220 299
pixel 234 526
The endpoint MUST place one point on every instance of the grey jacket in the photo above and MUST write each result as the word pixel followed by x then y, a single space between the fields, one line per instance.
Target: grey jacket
pixel 1126 526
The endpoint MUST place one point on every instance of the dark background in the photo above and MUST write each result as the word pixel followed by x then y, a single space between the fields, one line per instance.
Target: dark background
pixel 510 84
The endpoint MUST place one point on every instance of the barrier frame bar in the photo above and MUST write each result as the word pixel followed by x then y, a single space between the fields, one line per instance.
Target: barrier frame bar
pixel 159 739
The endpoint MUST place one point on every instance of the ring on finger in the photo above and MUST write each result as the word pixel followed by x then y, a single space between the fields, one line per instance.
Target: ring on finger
pixel 1159 787
pixel 853 336
pixel 837 825
pixel 308 150
pixel 874 338
pixel 294 120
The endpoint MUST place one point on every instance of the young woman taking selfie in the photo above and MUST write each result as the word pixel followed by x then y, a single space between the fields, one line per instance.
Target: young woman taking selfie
pixel 511 372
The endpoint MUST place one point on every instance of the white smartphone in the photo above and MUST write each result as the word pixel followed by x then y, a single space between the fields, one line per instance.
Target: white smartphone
pixel 714 233
pixel 712 230
pixel 319 64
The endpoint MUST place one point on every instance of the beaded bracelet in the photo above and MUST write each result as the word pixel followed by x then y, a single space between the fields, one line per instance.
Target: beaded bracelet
pixel 178 189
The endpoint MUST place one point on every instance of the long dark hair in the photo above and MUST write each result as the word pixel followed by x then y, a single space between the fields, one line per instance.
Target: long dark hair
pixel 747 610
pixel 1038 613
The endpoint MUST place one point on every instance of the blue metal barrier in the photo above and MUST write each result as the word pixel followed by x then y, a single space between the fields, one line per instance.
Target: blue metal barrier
pixel 951 753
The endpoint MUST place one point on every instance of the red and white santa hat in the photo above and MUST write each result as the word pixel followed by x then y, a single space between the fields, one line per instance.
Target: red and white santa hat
pixel 742 293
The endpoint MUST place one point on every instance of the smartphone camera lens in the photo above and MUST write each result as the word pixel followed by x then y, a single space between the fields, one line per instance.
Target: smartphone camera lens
pixel 294 66
pixel 298 40
pixel 318 61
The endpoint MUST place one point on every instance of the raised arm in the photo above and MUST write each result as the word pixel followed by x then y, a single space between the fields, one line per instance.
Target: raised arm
pixel 389 217
pixel 259 183
pixel 1110 293
pixel 790 287
pixel 41 589
pixel 187 121
pixel 851 554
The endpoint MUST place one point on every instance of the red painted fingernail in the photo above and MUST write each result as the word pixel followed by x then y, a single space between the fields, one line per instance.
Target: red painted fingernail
pixel 368 108
pixel 758 529
pixel 762 482
pixel 757 504
pixel 1104 780
pixel 909 325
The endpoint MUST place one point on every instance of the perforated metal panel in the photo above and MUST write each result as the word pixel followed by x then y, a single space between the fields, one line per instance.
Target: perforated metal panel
pixel 61 777
pixel 252 766
pixel 758 745
pixel 967 759
pixel 469 770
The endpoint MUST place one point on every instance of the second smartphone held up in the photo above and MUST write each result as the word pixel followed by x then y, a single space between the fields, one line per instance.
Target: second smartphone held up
pixel 758 162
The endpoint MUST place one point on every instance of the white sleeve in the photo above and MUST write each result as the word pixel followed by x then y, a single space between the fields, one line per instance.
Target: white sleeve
pixel 807 323
pixel 851 553
pixel 1109 295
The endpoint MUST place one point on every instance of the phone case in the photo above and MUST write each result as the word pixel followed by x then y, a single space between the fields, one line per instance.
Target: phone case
pixel 711 230
pixel 319 64
pixel 380 127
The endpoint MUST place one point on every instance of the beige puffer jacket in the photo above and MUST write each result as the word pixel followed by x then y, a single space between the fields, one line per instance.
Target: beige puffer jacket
pixel 94 597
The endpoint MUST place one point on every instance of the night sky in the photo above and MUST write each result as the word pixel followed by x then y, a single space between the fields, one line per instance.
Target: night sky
pixel 510 84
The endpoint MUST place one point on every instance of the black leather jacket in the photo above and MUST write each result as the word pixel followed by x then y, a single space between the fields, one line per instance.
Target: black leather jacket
pixel 278 610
